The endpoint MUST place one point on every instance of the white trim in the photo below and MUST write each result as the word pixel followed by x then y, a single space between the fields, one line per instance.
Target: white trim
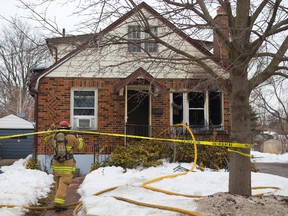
pixel 206 108
pixel 50 70
pixel 95 117
pixel 185 109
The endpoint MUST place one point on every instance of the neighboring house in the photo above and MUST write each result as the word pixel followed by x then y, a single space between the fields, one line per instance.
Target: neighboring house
pixel 17 147
pixel 113 88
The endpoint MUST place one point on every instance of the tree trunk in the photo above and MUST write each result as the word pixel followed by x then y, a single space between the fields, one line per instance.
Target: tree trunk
pixel 240 166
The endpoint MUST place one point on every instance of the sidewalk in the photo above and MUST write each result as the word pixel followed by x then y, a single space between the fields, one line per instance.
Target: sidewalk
pixel 72 196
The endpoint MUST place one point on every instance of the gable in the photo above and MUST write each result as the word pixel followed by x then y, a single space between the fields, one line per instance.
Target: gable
pixel 139 73
pixel 108 61
pixel 15 122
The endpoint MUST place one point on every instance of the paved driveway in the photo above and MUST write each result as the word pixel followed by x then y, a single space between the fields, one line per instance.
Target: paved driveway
pixel 280 169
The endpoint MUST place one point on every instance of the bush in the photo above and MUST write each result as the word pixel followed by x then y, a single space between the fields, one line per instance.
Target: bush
pixel 213 157
pixel 142 153
pixel 147 153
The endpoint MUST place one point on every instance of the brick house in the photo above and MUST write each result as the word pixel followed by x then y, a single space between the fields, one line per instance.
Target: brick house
pixel 115 89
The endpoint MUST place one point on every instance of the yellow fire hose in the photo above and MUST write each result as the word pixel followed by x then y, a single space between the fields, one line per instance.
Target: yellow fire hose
pixel 169 208
pixel 146 184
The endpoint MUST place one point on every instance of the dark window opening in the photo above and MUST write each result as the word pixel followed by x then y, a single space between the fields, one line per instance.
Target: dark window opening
pixel 196 109
pixel 196 118
pixel 196 100
pixel 177 108
pixel 215 108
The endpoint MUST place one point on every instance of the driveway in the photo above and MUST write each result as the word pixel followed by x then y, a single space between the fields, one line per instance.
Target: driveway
pixel 280 169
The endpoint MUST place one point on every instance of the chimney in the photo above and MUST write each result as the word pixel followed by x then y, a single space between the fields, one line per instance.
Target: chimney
pixel 221 23
pixel 63 32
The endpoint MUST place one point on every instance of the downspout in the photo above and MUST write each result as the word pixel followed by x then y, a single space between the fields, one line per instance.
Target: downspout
pixel 34 93
pixel 35 90
pixel 36 109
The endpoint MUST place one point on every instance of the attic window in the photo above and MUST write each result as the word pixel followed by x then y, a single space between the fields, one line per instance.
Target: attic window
pixel 140 41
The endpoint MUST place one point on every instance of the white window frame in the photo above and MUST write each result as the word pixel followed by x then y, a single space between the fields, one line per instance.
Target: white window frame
pixel 204 108
pixel 94 118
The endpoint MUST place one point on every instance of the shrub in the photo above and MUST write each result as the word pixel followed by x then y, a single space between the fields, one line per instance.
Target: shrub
pixel 142 153
pixel 213 157
pixel 147 153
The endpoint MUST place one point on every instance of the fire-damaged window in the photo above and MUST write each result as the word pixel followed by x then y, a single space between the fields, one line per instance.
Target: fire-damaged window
pixel 196 109
pixel 84 109
pixel 201 110
pixel 177 108
pixel 215 109
pixel 140 41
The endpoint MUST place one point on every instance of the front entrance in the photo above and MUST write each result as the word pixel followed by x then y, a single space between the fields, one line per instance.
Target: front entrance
pixel 137 113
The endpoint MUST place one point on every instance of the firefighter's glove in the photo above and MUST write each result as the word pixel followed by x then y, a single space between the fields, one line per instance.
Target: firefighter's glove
pixel 48 135
pixel 81 143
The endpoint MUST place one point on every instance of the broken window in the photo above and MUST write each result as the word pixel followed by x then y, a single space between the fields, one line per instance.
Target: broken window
pixel 196 109
pixel 215 108
pixel 177 106
pixel 199 110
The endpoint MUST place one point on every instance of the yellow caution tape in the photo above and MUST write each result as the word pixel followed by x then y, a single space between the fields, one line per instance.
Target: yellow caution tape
pixel 238 152
pixel 209 143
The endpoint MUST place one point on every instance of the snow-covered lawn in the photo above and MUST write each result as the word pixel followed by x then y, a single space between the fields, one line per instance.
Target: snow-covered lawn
pixel 20 186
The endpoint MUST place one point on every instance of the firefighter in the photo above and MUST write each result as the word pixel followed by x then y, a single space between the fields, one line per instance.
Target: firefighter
pixel 63 162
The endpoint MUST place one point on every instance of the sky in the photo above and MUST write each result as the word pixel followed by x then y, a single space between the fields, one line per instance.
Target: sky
pixel 20 186
pixel 61 14
pixel 57 12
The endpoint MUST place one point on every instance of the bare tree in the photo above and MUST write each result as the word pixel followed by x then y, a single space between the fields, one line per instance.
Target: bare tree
pixel 272 100
pixel 20 51
pixel 252 47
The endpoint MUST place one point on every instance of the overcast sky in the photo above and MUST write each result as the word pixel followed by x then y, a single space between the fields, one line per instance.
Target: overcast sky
pixel 57 13
pixel 60 14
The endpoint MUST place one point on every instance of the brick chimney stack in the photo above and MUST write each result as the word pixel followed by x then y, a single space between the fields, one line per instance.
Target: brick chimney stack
pixel 221 21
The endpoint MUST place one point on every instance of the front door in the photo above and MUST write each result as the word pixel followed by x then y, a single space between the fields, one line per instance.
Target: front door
pixel 137 113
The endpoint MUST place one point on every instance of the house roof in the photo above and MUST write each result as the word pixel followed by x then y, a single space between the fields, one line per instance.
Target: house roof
pixel 200 45
pixel 139 73
pixel 69 39
pixel 15 122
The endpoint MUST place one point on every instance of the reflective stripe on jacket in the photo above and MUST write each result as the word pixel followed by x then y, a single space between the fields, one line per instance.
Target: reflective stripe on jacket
pixel 64 168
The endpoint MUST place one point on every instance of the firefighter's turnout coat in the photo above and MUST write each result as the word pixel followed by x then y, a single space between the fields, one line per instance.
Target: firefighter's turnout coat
pixel 62 171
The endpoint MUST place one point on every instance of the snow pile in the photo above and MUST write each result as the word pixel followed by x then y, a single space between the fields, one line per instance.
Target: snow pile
pixel 129 186
pixel 20 186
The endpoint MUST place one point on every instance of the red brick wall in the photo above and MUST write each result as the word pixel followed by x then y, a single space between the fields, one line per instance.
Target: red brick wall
pixel 222 21
pixel 54 106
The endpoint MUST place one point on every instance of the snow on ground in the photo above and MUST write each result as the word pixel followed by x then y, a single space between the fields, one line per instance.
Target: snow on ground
pixel 269 158
pixel 20 186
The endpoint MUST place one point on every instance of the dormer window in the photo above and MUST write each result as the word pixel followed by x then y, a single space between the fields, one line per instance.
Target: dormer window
pixel 140 41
